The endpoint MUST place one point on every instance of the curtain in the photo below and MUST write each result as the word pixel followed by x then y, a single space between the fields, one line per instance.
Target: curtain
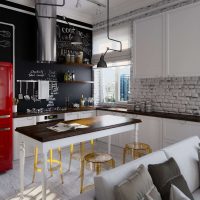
pixel 121 32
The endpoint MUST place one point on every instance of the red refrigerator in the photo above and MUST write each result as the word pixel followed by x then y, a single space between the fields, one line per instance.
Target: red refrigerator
pixel 6 122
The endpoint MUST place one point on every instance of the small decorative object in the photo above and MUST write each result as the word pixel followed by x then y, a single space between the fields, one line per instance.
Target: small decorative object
pixel 148 106
pixel 67 101
pixel 15 102
pixel 90 101
pixel 137 107
pixel 68 57
pixel 72 58
pixel 65 76
pixel 61 58
pixel 82 101
pixel 142 106
pixel 73 77
pixel 76 105
pixel 86 61
pixel 79 57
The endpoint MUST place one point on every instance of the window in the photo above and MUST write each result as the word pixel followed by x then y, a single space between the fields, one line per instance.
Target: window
pixel 114 82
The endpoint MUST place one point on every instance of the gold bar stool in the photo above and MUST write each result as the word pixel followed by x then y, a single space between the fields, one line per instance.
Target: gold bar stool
pixel 81 150
pixel 136 149
pixel 97 159
pixel 51 161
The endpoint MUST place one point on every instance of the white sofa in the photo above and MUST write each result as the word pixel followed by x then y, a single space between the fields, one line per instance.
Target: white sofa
pixel 185 153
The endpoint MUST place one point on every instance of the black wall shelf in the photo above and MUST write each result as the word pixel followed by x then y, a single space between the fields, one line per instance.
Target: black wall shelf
pixel 77 65
pixel 79 82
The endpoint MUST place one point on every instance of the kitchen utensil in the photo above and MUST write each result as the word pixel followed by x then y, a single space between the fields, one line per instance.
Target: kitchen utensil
pixel 27 97
pixel 33 96
pixel 20 95
pixel 5 43
pixel 15 101
pixel 5 34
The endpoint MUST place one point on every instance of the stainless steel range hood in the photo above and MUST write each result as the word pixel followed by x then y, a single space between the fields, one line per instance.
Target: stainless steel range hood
pixel 46 35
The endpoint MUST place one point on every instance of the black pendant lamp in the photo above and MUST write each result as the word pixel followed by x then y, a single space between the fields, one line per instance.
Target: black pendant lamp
pixel 102 63
pixel 76 40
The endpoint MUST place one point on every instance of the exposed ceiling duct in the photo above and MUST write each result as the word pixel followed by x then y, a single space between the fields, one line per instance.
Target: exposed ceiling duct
pixel 46 38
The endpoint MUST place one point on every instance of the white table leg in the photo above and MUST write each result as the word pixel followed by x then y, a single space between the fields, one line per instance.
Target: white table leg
pixel 22 162
pixel 44 173
pixel 109 144
pixel 136 132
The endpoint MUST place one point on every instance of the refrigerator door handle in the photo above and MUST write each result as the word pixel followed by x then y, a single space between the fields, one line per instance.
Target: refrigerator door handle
pixel 4 129
pixel 4 116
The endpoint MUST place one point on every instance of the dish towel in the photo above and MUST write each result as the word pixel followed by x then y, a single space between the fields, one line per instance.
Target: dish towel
pixel 43 89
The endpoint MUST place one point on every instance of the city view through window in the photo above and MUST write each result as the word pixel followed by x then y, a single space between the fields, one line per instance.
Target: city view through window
pixel 116 84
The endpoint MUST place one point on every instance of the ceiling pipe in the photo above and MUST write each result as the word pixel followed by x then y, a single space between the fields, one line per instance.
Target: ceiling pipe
pixel 102 63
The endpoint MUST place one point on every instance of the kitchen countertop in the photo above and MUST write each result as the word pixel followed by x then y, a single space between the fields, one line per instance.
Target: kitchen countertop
pixel 20 114
pixel 192 118
pixel 43 134
pixel 184 117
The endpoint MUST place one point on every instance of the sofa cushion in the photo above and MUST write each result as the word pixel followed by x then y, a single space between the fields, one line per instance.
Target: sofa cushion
pixel 196 194
pixel 105 182
pixel 137 186
pixel 186 155
pixel 168 173
pixel 176 194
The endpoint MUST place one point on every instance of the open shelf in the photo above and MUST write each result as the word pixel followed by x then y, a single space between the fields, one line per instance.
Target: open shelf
pixel 80 82
pixel 78 65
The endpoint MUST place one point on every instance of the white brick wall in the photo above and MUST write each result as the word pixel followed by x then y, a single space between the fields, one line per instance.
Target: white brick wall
pixel 172 94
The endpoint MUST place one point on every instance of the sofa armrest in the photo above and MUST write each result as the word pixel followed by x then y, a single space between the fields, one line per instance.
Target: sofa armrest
pixel 89 195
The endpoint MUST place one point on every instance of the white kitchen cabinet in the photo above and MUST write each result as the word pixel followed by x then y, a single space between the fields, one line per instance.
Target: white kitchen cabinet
pixel 183 41
pixel 126 137
pixel 150 131
pixel 155 131
pixel 20 122
pixel 80 115
pixel 148 47
pixel 72 116
pixel 177 130
pixel 103 112
pixel 87 114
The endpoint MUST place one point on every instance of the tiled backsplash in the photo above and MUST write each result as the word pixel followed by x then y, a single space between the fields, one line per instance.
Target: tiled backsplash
pixel 171 94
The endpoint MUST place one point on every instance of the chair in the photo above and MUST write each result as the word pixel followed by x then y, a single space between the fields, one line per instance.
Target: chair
pixel 81 150
pixel 97 160
pixel 51 161
pixel 136 149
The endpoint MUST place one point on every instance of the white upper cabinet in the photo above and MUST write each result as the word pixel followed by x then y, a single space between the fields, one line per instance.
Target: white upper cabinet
pixel 184 41
pixel 168 44
pixel 148 47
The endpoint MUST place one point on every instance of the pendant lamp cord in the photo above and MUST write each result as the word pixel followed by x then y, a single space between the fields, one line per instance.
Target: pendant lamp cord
pixel 108 30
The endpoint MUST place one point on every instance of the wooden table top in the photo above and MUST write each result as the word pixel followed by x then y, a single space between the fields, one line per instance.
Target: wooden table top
pixel 43 134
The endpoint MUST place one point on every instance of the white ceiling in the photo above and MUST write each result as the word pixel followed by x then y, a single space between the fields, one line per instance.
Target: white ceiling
pixel 88 11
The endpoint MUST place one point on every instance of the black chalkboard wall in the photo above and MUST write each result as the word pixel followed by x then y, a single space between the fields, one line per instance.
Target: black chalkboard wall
pixel 27 69
pixel 6 43
pixel 64 36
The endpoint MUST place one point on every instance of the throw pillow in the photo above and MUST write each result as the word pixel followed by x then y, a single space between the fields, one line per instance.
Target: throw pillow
pixel 168 173
pixel 176 194
pixel 138 186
